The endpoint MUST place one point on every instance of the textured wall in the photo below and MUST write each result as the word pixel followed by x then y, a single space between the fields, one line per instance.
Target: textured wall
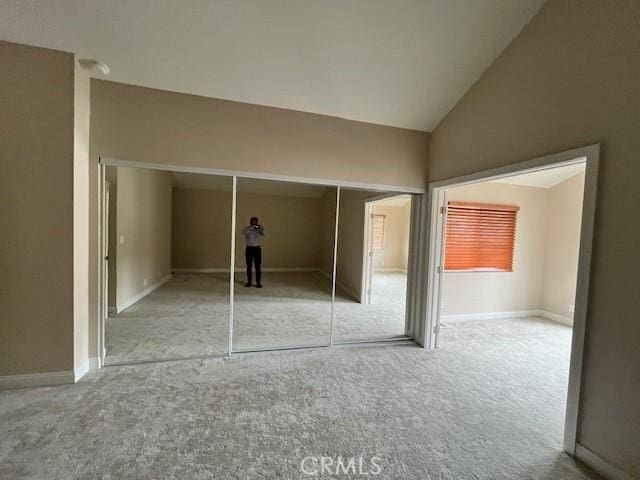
pixel 562 244
pixel 144 220
pixel 36 243
pixel 571 79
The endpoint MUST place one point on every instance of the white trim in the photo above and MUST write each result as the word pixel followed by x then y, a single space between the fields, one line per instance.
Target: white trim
pixel 139 296
pixel 463 317
pixel 601 466
pixel 243 269
pixel 90 364
pixel 399 189
pixel 334 267
pixel 232 262
pixel 590 155
pixel 554 317
pixel 389 270
pixel 37 380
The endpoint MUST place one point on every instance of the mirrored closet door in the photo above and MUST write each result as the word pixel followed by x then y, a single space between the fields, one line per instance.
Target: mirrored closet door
pixel 285 234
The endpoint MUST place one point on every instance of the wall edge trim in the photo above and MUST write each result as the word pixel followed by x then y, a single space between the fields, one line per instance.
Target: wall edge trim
pixel 601 466
pixel 139 296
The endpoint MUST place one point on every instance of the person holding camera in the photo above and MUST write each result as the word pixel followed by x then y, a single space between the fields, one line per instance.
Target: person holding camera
pixel 253 253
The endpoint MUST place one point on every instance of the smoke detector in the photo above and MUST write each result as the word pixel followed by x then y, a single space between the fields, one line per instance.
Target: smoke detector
pixel 94 66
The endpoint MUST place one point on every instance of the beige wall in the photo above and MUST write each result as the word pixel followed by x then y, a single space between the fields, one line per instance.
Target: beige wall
pixel 201 228
pixel 144 220
pixel 36 243
pixel 81 217
pixel 298 230
pixel 562 244
pixel 396 238
pixel 327 230
pixel 571 79
pixel 351 240
pixel 292 229
pixel 147 125
pixel 482 292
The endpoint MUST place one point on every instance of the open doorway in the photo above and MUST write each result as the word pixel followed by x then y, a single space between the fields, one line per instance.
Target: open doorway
pixel 509 259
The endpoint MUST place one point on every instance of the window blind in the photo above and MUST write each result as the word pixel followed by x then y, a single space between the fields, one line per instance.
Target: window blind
pixel 480 237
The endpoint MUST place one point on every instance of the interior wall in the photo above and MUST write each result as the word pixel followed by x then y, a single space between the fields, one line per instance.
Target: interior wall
pixel 36 244
pixel 111 176
pixel 521 289
pixel 144 231
pixel 292 229
pixel 394 255
pixel 570 79
pixel 351 241
pixel 137 123
pixel 201 228
pixel 327 231
pixel 562 244
pixel 81 111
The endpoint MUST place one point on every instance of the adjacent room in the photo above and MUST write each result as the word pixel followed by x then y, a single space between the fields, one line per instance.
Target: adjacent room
pixel 508 289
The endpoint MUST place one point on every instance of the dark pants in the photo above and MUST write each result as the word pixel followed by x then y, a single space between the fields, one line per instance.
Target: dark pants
pixel 253 254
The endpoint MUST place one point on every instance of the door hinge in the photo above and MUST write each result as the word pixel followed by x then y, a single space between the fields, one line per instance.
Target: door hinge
pixel 442 210
pixel 436 329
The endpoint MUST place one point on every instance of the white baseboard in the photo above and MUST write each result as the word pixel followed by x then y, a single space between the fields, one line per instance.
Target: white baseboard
pixel 508 314
pixel 37 380
pixel 91 364
pixel 389 270
pixel 243 269
pixel 488 315
pixel 554 317
pixel 602 467
pixel 139 296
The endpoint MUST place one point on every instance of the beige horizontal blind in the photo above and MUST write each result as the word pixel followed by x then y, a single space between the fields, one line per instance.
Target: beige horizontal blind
pixel 480 237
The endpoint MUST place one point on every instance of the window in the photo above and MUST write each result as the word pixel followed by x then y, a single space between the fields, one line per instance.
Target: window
pixel 378 231
pixel 480 237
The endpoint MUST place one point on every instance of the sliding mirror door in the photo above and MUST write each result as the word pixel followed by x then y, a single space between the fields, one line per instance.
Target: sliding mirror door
pixel 371 270
pixel 169 260
pixel 285 234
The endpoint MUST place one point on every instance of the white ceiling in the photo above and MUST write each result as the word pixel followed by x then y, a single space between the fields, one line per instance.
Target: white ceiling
pixel 403 63
pixel 544 178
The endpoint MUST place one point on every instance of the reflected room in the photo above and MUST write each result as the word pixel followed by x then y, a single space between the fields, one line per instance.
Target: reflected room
pixel 169 255
pixel 372 262
pixel 285 236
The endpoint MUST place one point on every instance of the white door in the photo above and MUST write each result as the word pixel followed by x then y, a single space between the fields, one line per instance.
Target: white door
pixel 441 244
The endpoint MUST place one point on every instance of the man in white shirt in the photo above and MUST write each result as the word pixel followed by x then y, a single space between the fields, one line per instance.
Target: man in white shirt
pixel 253 253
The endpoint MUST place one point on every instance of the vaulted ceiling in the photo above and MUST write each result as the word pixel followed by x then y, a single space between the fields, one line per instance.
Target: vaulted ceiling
pixel 403 63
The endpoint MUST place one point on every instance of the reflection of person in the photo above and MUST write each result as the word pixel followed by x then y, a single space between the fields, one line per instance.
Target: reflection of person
pixel 253 253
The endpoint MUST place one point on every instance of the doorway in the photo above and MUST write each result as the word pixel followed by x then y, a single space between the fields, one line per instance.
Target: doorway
pixel 462 257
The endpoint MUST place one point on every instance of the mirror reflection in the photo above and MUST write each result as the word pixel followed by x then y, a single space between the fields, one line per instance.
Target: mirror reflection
pixel 285 235
pixel 371 270
pixel 169 252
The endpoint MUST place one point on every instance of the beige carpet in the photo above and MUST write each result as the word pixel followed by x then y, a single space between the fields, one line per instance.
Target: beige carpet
pixel 189 316
pixel 489 405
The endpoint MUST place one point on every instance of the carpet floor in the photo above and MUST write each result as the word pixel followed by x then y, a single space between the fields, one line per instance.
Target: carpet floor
pixel 189 316
pixel 489 404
